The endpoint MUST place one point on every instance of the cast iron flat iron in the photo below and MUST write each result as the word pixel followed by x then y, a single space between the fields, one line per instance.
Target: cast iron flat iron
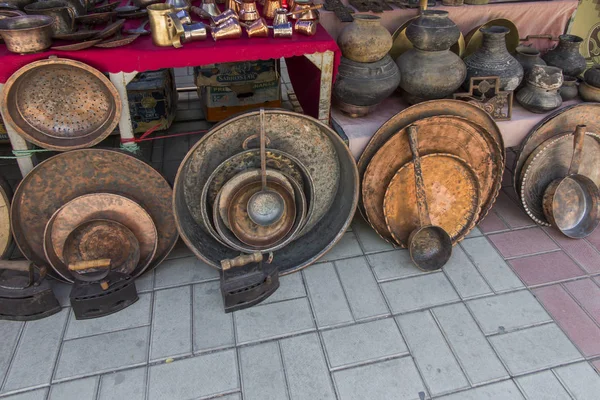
pixel 99 294
pixel 247 280
pixel 25 295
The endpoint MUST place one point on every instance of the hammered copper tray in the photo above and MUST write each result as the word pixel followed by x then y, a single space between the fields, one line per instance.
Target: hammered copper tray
pixel 563 120
pixel 452 195
pixel 106 206
pixel 550 161
pixel 5 235
pixel 67 176
pixel 61 104
pixel 442 134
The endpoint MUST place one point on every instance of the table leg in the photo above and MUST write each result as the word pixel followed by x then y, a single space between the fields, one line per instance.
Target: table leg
pixel 18 143
pixel 324 61
pixel 120 80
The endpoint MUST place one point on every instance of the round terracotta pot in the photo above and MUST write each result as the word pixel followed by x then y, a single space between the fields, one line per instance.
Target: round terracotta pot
pixel 365 40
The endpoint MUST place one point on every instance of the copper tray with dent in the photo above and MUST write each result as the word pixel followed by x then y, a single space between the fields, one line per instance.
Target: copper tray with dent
pixel 107 206
pixel 66 176
pixel 441 134
pixel 560 121
pixel 452 193
pixel 5 235
pixel 61 104
pixel 551 160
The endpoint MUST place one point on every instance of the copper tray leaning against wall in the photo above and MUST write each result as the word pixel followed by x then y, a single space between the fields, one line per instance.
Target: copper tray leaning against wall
pixel 5 235
pixel 66 176
pixel 61 104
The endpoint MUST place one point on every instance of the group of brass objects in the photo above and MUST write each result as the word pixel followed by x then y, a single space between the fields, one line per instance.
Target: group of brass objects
pixel 429 175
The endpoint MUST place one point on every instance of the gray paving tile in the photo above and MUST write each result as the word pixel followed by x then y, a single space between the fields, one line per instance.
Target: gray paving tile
pixel 171 323
pixel 368 238
pixel 180 250
pixel 418 292
pixel 80 389
pixel 262 372
pixel 326 295
pixel 542 386
pixel 360 286
pixel 533 349
pixel 213 328
pixel 145 283
pixel 275 320
pixel 507 312
pixel 200 376
pixel 581 380
pixel 290 287
pixel 129 384
pixel 138 314
pixel 30 365
pixel 393 379
pixel 505 390
pixel 306 370
pixel 363 342
pixel 347 247
pixel 103 353
pixel 9 332
pixel 39 394
pixel 476 232
pixel 472 350
pixel 464 276
pixel 491 265
pixel 183 271
pixel 432 355
pixel 62 291
pixel 234 396
pixel 393 264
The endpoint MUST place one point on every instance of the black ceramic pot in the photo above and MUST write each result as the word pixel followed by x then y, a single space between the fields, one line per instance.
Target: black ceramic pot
pixel 566 55
pixel 540 93
pixel 592 76
pixel 528 57
pixel 568 90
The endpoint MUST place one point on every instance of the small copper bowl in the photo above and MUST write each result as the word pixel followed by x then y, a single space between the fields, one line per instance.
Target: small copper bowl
pixel 27 34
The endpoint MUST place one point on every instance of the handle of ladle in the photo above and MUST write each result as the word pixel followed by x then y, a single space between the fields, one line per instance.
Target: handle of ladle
pixel 263 150
pixel 419 185
pixel 578 139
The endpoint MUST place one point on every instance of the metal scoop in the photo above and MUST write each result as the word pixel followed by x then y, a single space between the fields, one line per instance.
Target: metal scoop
pixel 140 30
pixel 127 8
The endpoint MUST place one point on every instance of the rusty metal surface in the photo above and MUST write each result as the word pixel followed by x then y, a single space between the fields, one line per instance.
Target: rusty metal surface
pixel 550 161
pixel 441 134
pixel 5 235
pixel 301 137
pixel 103 239
pixel 106 206
pixel 556 123
pixel 61 104
pixel 452 194
pixel 66 176
pixel 294 132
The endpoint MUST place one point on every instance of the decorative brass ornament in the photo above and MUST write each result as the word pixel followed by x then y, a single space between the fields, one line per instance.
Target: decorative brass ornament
pixel 484 92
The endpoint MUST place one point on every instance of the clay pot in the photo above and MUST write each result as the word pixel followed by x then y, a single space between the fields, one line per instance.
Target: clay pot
pixel 566 55
pixel 592 76
pixel 360 87
pixel 540 93
pixel 493 59
pixel 527 57
pixel 568 90
pixel 433 31
pixel 589 92
pixel 365 40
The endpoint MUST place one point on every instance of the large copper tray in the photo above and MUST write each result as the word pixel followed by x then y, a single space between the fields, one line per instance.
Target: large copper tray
pixel 5 235
pixel 61 104
pixel 66 176
pixel 452 194
pixel 550 161
pixel 560 121
pixel 442 134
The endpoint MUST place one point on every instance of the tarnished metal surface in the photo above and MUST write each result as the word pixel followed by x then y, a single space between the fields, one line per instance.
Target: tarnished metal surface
pixel 300 134
pixel 96 18
pixel 302 138
pixel 103 239
pixel 110 30
pixel 556 123
pixel 452 194
pixel 117 41
pixel 27 33
pixel 61 104
pixel 423 110
pixel 5 235
pixel 77 46
pixel 101 206
pixel 66 176
pixel 442 134
pixel 550 161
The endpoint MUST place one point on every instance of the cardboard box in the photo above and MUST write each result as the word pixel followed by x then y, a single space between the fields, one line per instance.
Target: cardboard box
pixel 152 100
pixel 226 74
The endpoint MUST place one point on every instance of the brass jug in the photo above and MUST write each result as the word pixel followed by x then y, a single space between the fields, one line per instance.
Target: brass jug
pixel 61 12
pixel 232 5
pixel 179 5
pixel 258 28
pixel 308 28
pixel 270 7
pixel 195 31
pixel 305 11
pixel 248 11
pixel 159 25
pixel 210 8
pixel 280 17
pixel 224 16
pixel 283 30
pixel 229 29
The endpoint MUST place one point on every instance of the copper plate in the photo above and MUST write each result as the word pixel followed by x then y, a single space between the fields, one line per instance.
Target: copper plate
pixel 443 134
pixel 106 206
pixel 474 38
pixel 5 235
pixel 77 46
pixel 550 161
pixel 253 234
pixel 563 120
pixel 67 176
pixel 117 41
pixel 61 104
pixel 452 196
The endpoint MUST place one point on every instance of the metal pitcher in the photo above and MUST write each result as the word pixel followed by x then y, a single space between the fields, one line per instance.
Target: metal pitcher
pixel 280 17
pixel 229 29
pixel 210 8
pixel 159 24
pixel 179 5
pixel 61 12
pixel 232 5
pixel 79 7
pixel 248 11
pixel 258 28
pixel 270 7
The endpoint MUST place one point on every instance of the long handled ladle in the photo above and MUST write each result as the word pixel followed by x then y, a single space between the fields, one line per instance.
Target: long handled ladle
pixel 430 246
